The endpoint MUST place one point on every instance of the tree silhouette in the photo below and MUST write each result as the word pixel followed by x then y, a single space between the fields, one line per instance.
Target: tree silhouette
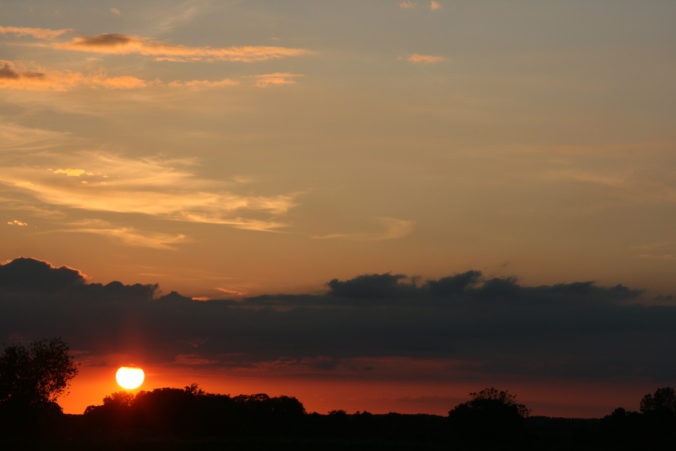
pixel 661 403
pixel 36 374
pixel 491 415
pixel 491 400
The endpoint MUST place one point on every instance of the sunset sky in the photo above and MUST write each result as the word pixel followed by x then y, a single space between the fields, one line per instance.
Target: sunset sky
pixel 360 158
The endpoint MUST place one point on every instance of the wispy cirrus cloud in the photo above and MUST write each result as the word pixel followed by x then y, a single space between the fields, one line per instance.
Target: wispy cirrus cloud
pixel 17 223
pixel 40 33
pixel 417 58
pixel 276 79
pixel 126 44
pixel 15 137
pixel 129 236
pixel 154 186
pixel 177 15
pixel 391 229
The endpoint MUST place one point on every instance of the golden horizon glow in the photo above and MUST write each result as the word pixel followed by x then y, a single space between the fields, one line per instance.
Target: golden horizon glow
pixel 129 377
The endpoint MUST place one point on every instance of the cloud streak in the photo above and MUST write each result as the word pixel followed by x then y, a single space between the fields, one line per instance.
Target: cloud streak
pixel 391 229
pixel 40 33
pixel 13 78
pixel 417 58
pixel 126 44
pixel 130 236
pixel 203 83
pixel 276 79
pixel 433 5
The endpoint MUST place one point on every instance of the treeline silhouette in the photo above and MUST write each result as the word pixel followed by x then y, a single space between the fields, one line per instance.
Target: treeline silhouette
pixel 191 411
pixel 193 419
pixel 31 377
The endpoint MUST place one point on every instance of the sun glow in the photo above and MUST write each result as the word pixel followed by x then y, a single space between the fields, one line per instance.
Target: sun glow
pixel 129 377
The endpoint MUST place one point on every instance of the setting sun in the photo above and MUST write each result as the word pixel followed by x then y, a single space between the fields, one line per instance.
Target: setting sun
pixel 129 377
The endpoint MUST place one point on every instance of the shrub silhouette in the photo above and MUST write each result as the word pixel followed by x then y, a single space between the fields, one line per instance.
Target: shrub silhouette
pixel 491 415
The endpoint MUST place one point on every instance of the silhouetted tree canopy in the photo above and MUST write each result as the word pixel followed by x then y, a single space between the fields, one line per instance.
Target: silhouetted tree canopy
pixel 491 400
pixel 35 374
pixel 662 402
pixel 491 415
pixel 190 410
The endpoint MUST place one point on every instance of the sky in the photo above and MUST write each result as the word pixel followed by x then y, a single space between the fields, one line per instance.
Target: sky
pixel 263 160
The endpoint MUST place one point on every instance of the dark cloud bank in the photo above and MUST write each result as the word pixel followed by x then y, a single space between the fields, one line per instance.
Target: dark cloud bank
pixel 472 325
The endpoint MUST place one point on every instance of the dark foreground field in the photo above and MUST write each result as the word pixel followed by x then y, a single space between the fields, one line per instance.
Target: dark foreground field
pixel 361 431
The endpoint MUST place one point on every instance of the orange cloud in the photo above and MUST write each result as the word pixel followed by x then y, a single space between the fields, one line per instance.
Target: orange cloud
pixel 125 44
pixel 13 78
pixel 276 78
pixel 16 222
pixel 392 229
pixel 40 33
pixel 22 79
pixel 408 4
pixel 425 59
pixel 71 172
pixel 203 83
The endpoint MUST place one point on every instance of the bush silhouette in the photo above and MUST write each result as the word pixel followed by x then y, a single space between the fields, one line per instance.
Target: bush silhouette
pixel 491 415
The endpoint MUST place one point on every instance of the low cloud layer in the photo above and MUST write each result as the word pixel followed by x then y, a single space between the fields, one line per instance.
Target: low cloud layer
pixel 379 325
